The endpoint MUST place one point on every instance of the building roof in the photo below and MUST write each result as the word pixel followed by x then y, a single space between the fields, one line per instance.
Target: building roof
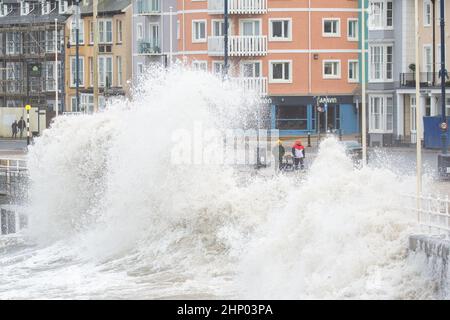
pixel 105 6
pixel 34 17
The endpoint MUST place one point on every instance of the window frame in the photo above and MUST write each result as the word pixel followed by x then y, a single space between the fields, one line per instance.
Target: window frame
pixel 356 38
pixel 72 80
pixel 427 19
pixel 196 63
pixel 200 40
pixel 384 18
pixel 272 80
pixel 338 26
pixel 383 62
pixel 281 39
pixel 384 115
pixel 351 61
pixel 339 69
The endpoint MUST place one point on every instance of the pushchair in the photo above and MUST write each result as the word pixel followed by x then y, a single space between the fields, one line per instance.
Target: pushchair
pixel 288 162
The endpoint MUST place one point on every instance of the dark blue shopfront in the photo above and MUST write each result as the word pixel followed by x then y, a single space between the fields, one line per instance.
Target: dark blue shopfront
pixel 294 116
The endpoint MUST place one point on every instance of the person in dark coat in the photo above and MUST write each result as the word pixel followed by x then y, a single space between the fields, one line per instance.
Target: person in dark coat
pixel 21 125
pixel 14 129
pixel 278 152
pixel 298 152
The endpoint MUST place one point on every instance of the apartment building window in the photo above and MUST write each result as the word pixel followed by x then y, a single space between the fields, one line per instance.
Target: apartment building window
pixel 105 31
pixel 14 75
pixel 73 70
pixel 91 32
pixel 46 7
pixel 26 8
pixel 218 67
pixel 427 58
pixel 50 41
pixel 331 27
pixel 353 71
pixel 154 35
pixel 140 31
pixel 63 6
pixel 105 71
pixel 119 71
pixel 140 69
pixel 381 113
pixel 250 69
pixel 218 28
pixel 381 63
pixel 280 29
pixel 280 71
pixel 119 31
pixel 13 43
pixel 381 14
pixel 352 29
pixel 49 75
pixel 198 30
pixel 200 65
pixel 86 102
pixel 91 71
pixel 80 32
pixel 331 69
pixel 427 13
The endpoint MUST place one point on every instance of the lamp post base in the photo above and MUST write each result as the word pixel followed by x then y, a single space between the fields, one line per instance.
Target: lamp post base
pixel 444 166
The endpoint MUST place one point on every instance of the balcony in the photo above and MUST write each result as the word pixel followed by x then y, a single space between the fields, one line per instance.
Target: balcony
pixel 149 48
pixel 426 79
pixel 148 7
pixel 238 6
pixel 258 85
pixel 238 46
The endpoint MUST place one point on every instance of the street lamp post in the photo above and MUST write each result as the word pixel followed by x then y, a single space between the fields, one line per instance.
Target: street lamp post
pixel 443 158
pixel 225 25
pixel 77 53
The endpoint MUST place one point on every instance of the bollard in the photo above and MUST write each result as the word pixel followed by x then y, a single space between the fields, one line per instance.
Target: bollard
pixel 340 134
pixel 309 139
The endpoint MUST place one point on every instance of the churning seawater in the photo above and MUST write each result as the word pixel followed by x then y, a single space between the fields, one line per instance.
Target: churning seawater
pixel 111 215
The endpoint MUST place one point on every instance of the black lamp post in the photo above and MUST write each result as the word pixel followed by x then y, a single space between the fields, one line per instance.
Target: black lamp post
pixel 225 38
pixel 443 158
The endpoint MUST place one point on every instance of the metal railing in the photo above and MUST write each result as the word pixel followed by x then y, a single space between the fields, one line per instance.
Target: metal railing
pixel 13 179
pixel 427 79
pixel 238 6
pixel 433 214
pixel 238 46
pixel 149 47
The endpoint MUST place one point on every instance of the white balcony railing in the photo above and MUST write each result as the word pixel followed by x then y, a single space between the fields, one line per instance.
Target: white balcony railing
pixel 238 46
pixel 238 6
pixel 258 85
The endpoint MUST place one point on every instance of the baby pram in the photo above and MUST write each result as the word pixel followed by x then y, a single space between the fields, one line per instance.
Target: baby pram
pixel 288 162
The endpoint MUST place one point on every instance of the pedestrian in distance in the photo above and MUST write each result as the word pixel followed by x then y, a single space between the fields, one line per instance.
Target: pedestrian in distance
pixel 278 152
pixel 298 151
pixel 14 129
pixel 21 125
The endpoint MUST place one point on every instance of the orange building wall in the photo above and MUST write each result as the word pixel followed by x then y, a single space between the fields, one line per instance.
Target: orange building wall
pixel 298 48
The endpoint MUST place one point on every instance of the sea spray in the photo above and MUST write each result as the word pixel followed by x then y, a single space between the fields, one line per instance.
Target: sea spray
pixel 342 234
pixel 111 216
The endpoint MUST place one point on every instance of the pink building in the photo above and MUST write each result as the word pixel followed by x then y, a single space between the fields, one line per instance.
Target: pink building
pixel 294 52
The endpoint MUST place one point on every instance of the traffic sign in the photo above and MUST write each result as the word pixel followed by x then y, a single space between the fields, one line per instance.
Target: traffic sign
pixel 444 126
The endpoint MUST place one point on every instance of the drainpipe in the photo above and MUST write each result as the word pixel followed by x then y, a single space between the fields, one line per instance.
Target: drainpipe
pixel 309 47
